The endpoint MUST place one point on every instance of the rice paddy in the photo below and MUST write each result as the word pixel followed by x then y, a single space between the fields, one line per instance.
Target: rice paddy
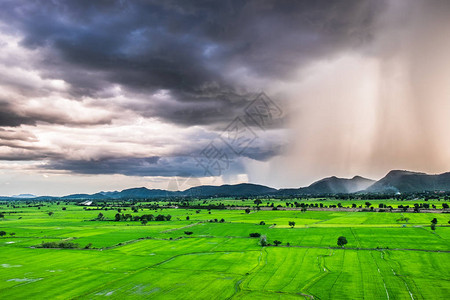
pixel 201 258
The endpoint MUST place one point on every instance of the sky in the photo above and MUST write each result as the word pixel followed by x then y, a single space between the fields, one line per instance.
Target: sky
pixel 107 95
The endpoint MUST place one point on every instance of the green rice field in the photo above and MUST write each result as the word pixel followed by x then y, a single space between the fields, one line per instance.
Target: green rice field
pixel 388 255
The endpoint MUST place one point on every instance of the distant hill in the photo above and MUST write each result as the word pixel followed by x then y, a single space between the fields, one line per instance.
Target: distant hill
pixel 237 190
pixel 138 193
pixel 394 182
pixel 335 185
pixel 332 185
pixel 398 181
pixel 143 193
pixel 24 196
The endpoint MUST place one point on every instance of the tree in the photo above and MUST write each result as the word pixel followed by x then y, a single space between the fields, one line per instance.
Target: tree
pixel 247 210
pixel 342 241
pixel 160 218
pixel 2 215
pixel 263 241
pixel 188 232
pixel 2 233
pixel 117 217
pixel 368 204
pixel 255 234
pixel 50 213
pixel 12 234
pixel 292 224
pixel 276 242
pixel 100 216
pixel 144 222
pixel 187 218
pixel 257 202
pixel 262 223
pixel 433 224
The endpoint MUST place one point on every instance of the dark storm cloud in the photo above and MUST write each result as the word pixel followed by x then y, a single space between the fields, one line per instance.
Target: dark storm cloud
pixel 10 118
pixel 185 47
pixel 184 166
pixel 212 106
pixel 204 55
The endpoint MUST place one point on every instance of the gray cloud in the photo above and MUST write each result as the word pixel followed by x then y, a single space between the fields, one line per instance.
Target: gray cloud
pixel 22 135
pixel 24 153
pixel 13 116
pixel 10 118
pixel 190 49
pixel 183 166
pixel 211 58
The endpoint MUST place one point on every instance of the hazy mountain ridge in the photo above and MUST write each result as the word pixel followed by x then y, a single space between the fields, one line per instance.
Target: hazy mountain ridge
pixel 396 181
pixel 335 185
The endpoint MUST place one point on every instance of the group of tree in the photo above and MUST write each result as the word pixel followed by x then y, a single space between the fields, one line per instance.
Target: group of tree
pixel 217 221
pixel 144 218
pixel 64 245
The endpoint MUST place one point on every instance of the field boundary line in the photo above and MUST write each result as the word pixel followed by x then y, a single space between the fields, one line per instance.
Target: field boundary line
pixel 389 262
pixel 366 249
pixel 323 271
pixel 237 285
pixel 175 229
pixel 338 276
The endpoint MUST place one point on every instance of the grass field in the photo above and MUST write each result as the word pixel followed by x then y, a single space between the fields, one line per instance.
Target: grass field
pixel 384 259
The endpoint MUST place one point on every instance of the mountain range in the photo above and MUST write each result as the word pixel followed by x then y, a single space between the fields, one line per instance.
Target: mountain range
pixel 396 181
